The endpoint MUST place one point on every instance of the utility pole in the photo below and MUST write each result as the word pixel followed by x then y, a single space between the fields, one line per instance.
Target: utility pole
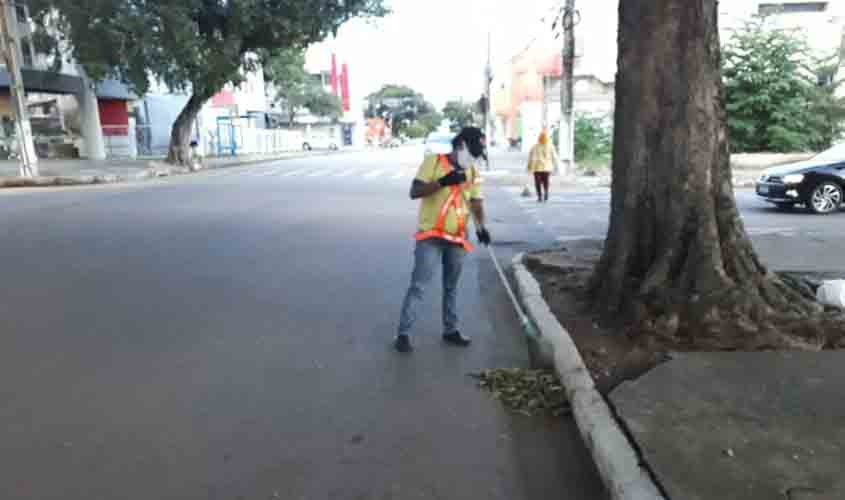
pixel 566 133
pixel 488 97
pixel 12 55
pixel 545 110
pixel 488 80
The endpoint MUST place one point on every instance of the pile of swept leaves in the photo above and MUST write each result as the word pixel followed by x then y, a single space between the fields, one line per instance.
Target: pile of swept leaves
pixel 528 392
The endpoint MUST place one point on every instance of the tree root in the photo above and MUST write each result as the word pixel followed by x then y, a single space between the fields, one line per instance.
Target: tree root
pixel 768 314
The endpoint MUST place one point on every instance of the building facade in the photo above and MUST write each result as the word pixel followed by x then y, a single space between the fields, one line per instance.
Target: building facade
pixel 526 93
pixel 821 22
pixel 71 115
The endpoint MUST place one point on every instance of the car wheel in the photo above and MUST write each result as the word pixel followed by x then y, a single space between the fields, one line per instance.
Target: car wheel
pixel 306 147
pixel 785 206
pixel 825 198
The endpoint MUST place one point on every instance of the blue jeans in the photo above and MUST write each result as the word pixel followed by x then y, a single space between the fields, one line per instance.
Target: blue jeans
pixel 427 255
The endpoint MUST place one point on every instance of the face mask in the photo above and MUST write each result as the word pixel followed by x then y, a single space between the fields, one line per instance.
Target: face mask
pixel 464 158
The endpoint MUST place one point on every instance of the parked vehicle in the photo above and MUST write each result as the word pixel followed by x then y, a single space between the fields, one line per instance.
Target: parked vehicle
pixel 320 142
pixel 439 143
pixel 817 183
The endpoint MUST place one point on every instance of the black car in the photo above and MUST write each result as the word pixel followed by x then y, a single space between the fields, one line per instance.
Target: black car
pixel 818 183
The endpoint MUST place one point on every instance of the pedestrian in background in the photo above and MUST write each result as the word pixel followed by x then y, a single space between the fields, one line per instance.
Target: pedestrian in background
pixel 542 161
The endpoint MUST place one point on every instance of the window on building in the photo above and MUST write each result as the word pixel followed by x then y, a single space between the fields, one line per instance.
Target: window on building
pixel 20 12
pixel 767 9
pixel 27 54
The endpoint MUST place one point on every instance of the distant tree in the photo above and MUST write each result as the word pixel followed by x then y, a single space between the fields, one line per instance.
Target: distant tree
pixel 193 45
pixel 402 107
pixel 430 121
pixel 827 108
pixel 593 138
pixel 322 103
pixel 459 113
pixel 295 89
pixel 416 131
pixel 779 98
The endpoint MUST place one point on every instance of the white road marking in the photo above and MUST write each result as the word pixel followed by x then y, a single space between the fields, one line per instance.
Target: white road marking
pixel 764 231
pixel 295 172
pixel 345 173
pixel 257 173
pixel 319 173
pixel 574 237
pixel 374 173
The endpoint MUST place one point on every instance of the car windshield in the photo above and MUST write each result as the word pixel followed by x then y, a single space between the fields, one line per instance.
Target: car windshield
pixel 835 153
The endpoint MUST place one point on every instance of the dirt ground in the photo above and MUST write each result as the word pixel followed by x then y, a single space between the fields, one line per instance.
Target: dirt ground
pixel 611 355
pixel 611 349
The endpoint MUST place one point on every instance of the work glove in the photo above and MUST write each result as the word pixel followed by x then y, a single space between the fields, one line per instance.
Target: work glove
pixel 452 179
pixel 483 236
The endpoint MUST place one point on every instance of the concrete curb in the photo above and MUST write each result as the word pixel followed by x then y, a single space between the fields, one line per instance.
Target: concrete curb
pixel 617 461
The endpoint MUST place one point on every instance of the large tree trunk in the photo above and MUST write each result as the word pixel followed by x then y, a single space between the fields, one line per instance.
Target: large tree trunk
pixel 179 152
pixel 677 256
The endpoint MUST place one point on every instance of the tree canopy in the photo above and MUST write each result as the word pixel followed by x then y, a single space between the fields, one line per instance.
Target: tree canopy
pixel 405 110
pixel 779 96
pixel 295 89
pixel 459 113
pixel 196 46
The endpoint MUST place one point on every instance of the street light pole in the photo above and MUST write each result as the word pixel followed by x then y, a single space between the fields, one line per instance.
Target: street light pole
pixel 488 81
pixel 566 133
pixel 11 54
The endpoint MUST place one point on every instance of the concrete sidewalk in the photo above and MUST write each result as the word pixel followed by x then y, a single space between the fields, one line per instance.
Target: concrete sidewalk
pixel 80 172
pixel 745 425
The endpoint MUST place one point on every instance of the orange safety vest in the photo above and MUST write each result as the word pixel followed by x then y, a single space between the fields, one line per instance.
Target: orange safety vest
pixel 455 200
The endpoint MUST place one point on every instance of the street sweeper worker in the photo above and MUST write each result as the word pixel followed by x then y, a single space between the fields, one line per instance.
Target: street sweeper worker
pixel 449 187
pixel 542 161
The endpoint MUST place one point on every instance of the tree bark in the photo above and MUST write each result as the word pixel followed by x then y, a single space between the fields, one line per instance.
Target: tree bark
pixel 179 152
pixel 677 256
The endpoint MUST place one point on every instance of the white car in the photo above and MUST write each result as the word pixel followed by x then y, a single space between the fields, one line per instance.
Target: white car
pixel 439 143
pixel 320 142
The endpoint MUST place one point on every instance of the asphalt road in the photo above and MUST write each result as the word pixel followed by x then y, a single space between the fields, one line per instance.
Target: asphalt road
pixel 226 335
pixel 792 240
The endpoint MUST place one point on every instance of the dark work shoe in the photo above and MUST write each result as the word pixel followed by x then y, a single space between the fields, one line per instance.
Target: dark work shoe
pixel 403 344
pixel 547 196
pixel 456 338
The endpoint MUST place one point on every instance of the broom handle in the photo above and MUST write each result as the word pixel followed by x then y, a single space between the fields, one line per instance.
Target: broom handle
pixel 519 311
pixel 507 285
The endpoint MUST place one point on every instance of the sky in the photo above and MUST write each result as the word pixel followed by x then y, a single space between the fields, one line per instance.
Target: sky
pixel 439 47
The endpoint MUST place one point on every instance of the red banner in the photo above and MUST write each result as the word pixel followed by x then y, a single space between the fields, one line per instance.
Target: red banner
pixel 334 75
pixel 344 88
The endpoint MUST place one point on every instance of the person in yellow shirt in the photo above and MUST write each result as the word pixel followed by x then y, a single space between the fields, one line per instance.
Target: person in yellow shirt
pixel 542 161
pixel 449 188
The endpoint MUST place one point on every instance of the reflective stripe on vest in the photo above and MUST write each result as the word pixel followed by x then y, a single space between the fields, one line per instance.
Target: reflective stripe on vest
pixel 453 201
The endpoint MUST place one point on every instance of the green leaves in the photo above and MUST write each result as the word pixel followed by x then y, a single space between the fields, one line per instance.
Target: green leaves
pixel 527 392
pixel 197 45
pixel 407 110
pixel 593 138
pixel 295 88
pixel 778 95
pixel 459 113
